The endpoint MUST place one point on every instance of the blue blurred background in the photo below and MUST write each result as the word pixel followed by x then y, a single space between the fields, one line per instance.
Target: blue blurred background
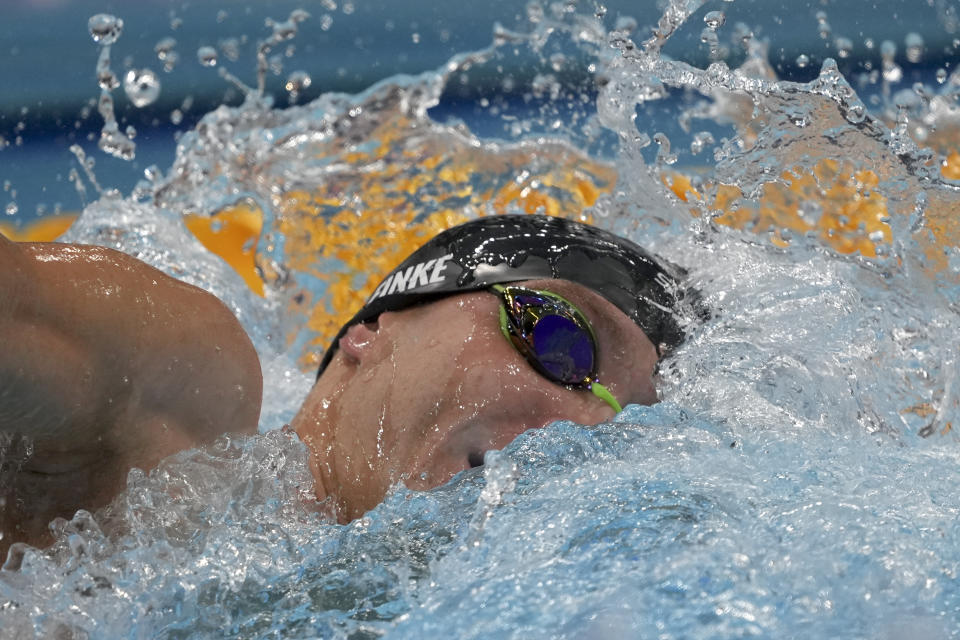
pixel 47 62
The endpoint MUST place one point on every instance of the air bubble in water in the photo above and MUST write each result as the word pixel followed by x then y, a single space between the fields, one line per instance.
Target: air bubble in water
pixel 914 44
pixel 714 19
pixel 207 56
pixel 142 87
pixel 105 28
pixel 176 116
pixel 12 209
pixel 941 75
pixel 803 60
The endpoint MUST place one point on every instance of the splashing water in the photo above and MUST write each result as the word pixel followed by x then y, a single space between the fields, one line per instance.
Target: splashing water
pixel 797 479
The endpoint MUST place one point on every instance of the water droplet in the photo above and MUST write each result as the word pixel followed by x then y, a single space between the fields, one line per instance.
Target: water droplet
pixel 207 56
pixel 142 87
pixel 856 112
pixel 164 47
pixel 888 50
pixel 941 75
pixel 558 61
pixel 914 44
pixel 892 73
pixel 415 37
pixel 112 141
pixel 714 19
pixel 326 21
pixel 664 157
pixel 12 209
pixel 297 82
pixel 810 212
pixel 106 80
pixel 803 60
pixel 844 47
pixel 626 24
pixel 891 70
pixel 700 140
pixel 230 47
pixel 176 116
pixel 822 25
pixel 105 28
pixel 710 38
pixel 222 15
pixel 535 12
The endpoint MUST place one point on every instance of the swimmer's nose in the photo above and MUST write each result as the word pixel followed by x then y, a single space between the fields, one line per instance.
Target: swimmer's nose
pixel 358 339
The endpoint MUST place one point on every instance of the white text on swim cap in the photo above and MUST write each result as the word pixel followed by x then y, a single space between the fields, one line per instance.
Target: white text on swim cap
pixel 413 277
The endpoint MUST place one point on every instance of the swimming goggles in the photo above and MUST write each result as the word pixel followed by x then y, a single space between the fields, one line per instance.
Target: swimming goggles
pixel 554 336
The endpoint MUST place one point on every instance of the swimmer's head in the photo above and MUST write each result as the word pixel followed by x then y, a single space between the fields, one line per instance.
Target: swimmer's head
pixel 436 369
pixel 513 248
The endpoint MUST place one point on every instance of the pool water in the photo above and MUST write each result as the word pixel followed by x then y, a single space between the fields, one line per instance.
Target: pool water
pixel 797 479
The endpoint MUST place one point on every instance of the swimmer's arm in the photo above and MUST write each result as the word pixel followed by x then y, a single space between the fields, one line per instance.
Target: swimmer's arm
pixel 106 364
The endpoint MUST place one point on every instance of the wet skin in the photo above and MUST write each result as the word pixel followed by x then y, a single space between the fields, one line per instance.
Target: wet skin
pixel 109 364
pixel 422 393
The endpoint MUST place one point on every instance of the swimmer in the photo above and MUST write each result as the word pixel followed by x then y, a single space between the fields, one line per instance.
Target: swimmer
pixel 500 325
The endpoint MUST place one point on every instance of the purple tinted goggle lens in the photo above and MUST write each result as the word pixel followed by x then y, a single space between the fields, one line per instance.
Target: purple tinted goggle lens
pixel 551 333
pixel 554 336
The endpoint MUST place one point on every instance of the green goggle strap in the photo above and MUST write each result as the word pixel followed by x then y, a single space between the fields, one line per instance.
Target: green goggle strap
pixel 595 387
pixel 604 394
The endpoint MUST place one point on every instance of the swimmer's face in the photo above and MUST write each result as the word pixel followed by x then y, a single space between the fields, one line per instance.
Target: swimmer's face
pixel 422 393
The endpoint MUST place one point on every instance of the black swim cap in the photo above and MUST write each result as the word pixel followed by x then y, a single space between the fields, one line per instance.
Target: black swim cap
pixel 511 248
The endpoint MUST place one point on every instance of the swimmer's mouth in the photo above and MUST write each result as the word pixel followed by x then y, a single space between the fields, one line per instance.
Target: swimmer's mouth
pixel 475 459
